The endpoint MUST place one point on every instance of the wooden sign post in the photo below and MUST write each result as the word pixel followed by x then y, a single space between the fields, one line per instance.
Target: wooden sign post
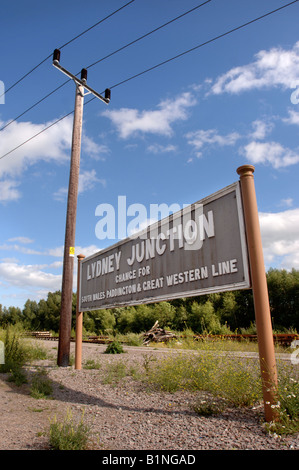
pixel 79 322
pixel 260 292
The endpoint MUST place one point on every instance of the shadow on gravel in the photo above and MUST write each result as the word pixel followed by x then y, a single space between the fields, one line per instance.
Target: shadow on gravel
pixel 64 394
pixel 71 396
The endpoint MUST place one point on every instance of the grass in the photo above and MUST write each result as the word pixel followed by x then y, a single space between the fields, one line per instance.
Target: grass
pixel 14 351
pixel 222 379
pixel 41 385
pixel 288 404
pixel 17 352
pixel 226 381
pixel 115 372
pixel 130 339
pixel 18 377
pixel 92 364
pixel 238 383
pixel 68 435
pixel 208 405
pixel 185 340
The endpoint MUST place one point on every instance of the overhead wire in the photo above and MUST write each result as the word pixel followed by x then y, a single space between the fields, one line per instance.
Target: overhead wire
pixel 106 57
pixel 203 44
pixel 159 65
pixel 66 44
pixel 149 33
pixel 34 105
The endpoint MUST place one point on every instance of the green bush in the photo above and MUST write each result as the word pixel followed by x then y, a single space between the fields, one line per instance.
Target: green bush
pixel 18 377
pixel 114 348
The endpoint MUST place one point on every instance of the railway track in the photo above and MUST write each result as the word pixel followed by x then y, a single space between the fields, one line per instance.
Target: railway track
pixel 281 339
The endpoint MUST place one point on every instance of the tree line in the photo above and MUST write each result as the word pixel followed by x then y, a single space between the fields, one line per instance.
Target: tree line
pixel 218 313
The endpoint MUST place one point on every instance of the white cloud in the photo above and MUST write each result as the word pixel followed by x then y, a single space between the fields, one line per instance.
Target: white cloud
pixel 56 252
pixel 24 240
pixel 87 180
pixel 131 121
pixel 270 153
pixel 85 250
pixel 53 144
pixel 288 202
pixel 201 137
pixel 29 275
pixel 34 281
pixel 280 237
pixel 94 150
pixel 157 148
pixel 272 68
pixel 261 129
pixel 293 117
pixel 9 191
pixel 60 194
pixel 56 264
pixel 20 249
pixel 49 145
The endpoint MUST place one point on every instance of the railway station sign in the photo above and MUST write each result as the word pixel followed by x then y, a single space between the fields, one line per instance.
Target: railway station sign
pixel 198 250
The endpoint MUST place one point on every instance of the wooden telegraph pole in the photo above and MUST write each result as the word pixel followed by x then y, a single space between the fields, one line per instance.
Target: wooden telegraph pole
pixel 70 229
pixel 260 292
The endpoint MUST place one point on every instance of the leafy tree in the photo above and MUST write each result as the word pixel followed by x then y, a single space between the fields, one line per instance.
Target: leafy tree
pixel 10 316
pixel 207 313
pixel 89 322
pixel 203 318
pixel 144 318
pixel 125 321
pixel 180 318
pixel 30 315
pixel 283 289
pixel 105 321
pixel 164 312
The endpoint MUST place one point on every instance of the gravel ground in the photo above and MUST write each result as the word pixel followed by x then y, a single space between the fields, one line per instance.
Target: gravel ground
pixel 126 415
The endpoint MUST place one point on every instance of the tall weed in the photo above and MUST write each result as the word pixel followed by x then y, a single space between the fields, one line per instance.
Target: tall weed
pixel 237 382
pixel 68 435
pixel 14 352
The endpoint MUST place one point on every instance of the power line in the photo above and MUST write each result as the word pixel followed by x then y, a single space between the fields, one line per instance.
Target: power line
pixel 149 33
pixel 34 105
pixel 202 44
pixel 106 57
pixel 66 44
pixel 159 65
pixel 96 24
pixel 36 135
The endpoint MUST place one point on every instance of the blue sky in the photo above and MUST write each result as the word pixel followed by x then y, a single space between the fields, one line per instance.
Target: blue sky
pixel 172 135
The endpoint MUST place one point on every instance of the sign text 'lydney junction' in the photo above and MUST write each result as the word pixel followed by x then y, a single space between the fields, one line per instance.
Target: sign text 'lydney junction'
pixel 199 249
